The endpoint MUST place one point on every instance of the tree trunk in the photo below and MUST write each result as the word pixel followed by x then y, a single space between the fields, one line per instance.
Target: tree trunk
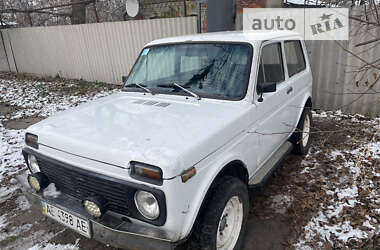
pixel 78 12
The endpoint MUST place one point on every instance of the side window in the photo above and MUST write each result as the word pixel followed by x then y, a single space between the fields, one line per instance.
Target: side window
pixel 295 59
pixel 271 67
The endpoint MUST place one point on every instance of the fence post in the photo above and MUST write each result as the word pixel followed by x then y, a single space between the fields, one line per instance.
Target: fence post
pixel 5 51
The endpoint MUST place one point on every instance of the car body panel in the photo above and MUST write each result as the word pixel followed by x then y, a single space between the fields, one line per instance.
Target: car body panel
pixel 117 130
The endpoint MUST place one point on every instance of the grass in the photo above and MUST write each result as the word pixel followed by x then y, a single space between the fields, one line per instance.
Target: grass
pixel 8 240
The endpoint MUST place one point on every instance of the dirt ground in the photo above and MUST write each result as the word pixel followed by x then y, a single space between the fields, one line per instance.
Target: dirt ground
pixel 329 199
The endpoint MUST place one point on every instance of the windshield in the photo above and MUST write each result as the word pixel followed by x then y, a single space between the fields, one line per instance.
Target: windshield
pixel 216 70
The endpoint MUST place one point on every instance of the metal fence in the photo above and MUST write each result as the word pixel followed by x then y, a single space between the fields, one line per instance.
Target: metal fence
pixel 94 52
pixel 342 76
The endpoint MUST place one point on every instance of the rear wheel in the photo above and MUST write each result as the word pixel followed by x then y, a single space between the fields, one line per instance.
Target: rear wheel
pixel 301 137
pixel 222 221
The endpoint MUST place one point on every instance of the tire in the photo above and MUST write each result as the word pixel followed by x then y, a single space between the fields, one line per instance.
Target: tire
pixel 225 210
pixel 301 138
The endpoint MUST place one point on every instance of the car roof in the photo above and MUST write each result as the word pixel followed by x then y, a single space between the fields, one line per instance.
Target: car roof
pixel 228 36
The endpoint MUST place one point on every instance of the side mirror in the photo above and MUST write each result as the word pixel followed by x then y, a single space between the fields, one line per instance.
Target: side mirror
pixel 124 79
pixel 266 87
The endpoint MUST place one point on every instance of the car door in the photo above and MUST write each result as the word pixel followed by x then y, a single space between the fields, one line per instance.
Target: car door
pixel 299 77
pixel 273 125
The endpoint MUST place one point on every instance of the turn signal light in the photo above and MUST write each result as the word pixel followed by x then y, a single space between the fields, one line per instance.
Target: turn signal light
pixel 31 140
pixel 188 174
pixel 146 172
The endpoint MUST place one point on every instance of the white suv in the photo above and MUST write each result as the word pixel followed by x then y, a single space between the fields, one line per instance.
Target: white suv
pixel 170 158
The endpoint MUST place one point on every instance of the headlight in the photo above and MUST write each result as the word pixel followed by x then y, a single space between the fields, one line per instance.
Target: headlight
pixel 146 172
pixel 33 164
pixel 147 205
pixel 38 181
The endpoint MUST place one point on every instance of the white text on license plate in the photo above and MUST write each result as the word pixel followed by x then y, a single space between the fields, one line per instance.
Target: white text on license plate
pixel 79 225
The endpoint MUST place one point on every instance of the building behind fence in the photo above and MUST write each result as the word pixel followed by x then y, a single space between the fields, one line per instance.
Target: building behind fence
pixel 106 51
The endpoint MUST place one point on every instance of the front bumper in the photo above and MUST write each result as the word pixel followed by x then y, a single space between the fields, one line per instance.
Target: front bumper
pixel 110 229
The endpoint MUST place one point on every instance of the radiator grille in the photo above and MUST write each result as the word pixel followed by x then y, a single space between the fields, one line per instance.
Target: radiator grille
pixel 82 184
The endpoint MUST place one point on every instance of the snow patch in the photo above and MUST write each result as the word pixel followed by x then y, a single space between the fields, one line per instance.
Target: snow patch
pixel 329 224
pixel 6 193
pixel 50 246
pixel 23 203
pixel 14 231
pixel 51 191
pixel 32 98
pixel 3 222
pixel 281 203
pixel 11 144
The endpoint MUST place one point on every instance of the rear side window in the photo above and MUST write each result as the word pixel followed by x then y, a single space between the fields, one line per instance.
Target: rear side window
pixel 295 59
pixel 271 66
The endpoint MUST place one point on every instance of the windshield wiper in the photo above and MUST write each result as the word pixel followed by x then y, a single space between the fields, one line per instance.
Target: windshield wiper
pixel 176 85
pixel 201 76
pixel 140 86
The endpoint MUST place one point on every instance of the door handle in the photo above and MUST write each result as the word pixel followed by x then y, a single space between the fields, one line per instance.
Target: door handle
pixel 289 90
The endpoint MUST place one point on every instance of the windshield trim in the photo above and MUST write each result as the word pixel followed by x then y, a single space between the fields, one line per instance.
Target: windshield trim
pixel 211 96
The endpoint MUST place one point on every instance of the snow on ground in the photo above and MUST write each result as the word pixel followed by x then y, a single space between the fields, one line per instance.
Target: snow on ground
pixel 37 99
pixel 11 144
pixel 14 231
pixel 6 192
pixel 28 96
pixel 50 246
pixel 280 203
pixel 32 99
pixel 38 241
pixel 22 203
pixel 3 221
pixel 332 223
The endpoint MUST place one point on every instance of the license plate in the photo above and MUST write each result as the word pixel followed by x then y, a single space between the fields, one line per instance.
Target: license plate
pixel 76 223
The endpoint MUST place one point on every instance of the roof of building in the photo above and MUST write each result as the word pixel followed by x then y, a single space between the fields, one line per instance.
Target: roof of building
pixel 230 36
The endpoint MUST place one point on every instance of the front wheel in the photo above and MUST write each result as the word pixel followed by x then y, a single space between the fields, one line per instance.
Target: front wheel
pixel 222 222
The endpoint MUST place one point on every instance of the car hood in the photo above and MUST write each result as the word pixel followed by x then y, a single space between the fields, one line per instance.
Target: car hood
pixel 170 132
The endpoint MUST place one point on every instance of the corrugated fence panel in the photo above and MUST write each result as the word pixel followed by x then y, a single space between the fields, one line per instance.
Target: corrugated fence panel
pixel 362 82
pixel 4 65
pixel 8 50
pixel 340 79
pixel 327 60
pixel 94 52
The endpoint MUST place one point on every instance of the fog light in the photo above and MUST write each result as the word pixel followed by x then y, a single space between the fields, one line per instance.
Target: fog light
pixel 147 205
pixel 95 207
pixel 34 183
pixel 38 181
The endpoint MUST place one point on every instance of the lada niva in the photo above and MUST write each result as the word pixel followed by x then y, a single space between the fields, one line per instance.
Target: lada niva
pixel 170 158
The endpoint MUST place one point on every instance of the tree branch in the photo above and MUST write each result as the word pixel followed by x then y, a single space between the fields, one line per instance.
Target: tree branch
pixel 367 42
pixel 356 56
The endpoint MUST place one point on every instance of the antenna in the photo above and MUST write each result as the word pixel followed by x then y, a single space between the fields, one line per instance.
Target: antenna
pixel 132 7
